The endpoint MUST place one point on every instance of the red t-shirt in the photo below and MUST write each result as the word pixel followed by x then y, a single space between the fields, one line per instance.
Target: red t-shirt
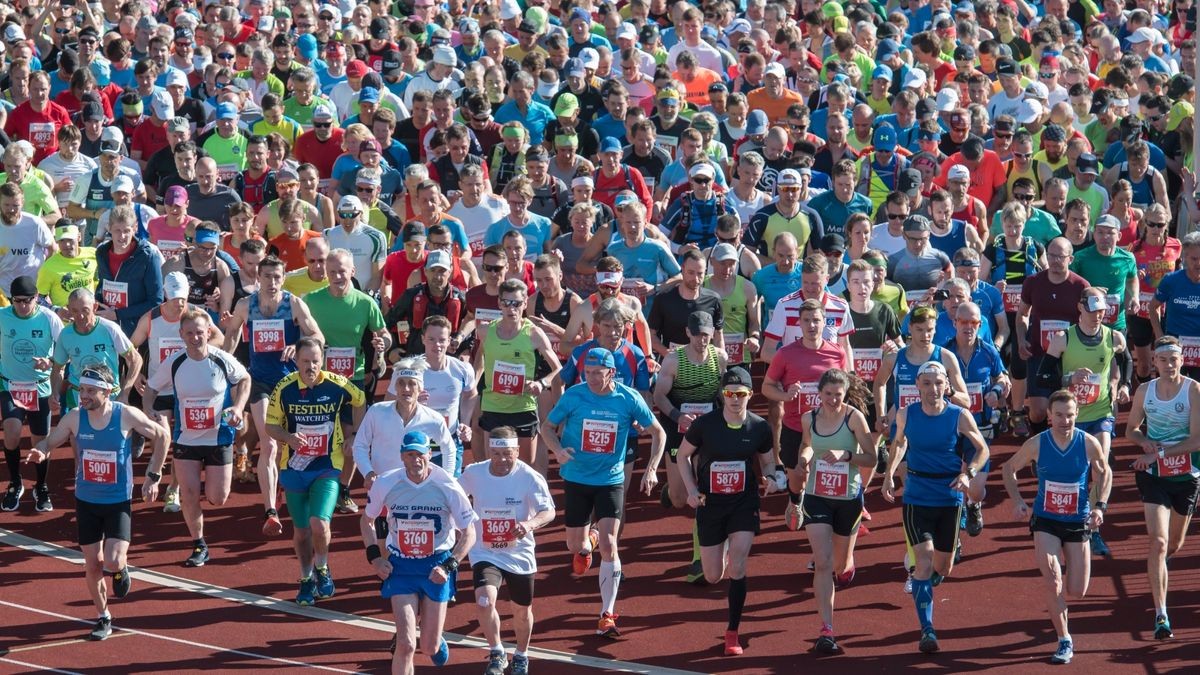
pixel 797 363
pixel 115 260
pixel 309 149
pixel 39 128
pixel 291 251
pixel 627 178
pixel 397 268
pixel 149 138
pixel 1051 302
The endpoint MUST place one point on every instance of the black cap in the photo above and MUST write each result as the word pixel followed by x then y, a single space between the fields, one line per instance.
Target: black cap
pixel 22 287
pixel 526 26
pixel 1004 123
pixel 648 32
pixel 89 31
pixel 91 111
pixel 68 59
pixel 380 28
pixel 887 30
pixel 700 322
pixel 1053 132
pixel 926 107
pixel 1007 67
pixel 1101 101
pixel 909 182
pixel 972 148
pixel 832 243
pixel 412 231
pixel 1179 85
pixel 964 53
pixel 737 377
pixel 1087 163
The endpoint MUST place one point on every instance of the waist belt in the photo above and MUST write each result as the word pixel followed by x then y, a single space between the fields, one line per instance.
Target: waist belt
pixel 934 476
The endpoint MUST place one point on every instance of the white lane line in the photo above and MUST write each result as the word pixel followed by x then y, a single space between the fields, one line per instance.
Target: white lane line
pixel 199 645
pixel 59 643
pixel 288 607
pixel 39 667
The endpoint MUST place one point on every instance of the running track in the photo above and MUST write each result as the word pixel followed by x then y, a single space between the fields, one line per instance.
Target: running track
pixel 236 614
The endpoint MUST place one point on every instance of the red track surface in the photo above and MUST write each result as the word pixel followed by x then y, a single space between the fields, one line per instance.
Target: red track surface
pixel 989 614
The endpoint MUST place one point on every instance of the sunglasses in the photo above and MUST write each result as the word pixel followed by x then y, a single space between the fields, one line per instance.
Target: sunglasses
pixel 1148 224
pixel 1155 118
pixel 1023 198
pixel 726 240
pixel 348 214
pixel 969 322
pixel 24 300
pixel 511 304
pixel 226 55
pixel 322 125
pixel 1003 136
pixel 1023 155
pixel 87 42
pixel 183 43
pixel 494 269
pixel 1047 76
pixel 735 394
pixel 897 216
pixel 703 180
pixel 62 31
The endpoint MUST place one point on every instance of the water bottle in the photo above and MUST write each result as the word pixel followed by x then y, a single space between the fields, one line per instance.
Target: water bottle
pixel 229 413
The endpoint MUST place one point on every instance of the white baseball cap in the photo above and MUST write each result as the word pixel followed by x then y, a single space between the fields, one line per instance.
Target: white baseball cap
pixel 175 285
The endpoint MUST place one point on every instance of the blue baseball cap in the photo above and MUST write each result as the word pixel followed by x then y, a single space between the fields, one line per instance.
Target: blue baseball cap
pixel 882 72
pixel 226 111
pixel 306 45
pixel 415 441
pixel 756 123
pixel 610 144
pixel 887 48
pixel 885 138
pixel 599 356
pixel 368 95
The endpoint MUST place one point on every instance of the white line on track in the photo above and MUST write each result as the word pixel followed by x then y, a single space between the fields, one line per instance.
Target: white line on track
pixel 39 667
pixel 59 643
pixel 288 607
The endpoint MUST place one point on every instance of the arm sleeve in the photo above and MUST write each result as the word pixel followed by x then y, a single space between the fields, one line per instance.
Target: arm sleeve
pixel 362 443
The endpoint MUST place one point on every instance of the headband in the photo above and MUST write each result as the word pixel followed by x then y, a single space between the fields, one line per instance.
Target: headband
pixel 208 237
pixel 1168 348
pixel 409 373
pixel 92 379
pixel 512 132
pixel 502 443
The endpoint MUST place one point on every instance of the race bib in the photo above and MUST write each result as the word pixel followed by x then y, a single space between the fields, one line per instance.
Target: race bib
pixel 727 478
pixel 632 286
pixel 807 399
pixel 99 466
pixel 226 172
pixel 1050 327
pixel 1088 392
pixel 499 527
pixel 476 244
pixel 1114 304
pixel 199 414
pixel 508 378
pixel 735 346
pixel 267 335
pixel 413 538
pixel 1061 499
pixel 1191 351
pixel 907 394
pixel 1012 297
pixel 485 316
pixel 340 360
pixel 1175 465
pixel 1144 304
pixel 599 437
pixel 316 444
pixel 24 395
pixel 975 392
pixel 402 329
pixel 916 297
pixel 866 363
pixel 832 479
pixel 168 347
pixel 115 294
pixel 696 409
pixel 168 247
pixel 41 134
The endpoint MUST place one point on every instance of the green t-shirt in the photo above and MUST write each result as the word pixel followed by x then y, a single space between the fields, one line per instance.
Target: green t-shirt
pixel 343 322
pixel 228 153
pixel 1094 196
pixel 22 339
pixel 60 275
pixel 303 113
pixel 1110 272
pixel 1041 227
pixel 39 199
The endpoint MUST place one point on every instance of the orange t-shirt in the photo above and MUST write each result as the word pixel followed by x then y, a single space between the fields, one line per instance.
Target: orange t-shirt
pixel 776 109
pixel 291 251
pixel 696 91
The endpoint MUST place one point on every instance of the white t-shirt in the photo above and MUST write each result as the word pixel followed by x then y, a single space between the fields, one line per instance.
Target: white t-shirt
pixel 367 244
pixel 784 324
pixel 885 241
pixel 477 219
pixel 24 246
pixel 501 502
pixel 439 498
pixel 377 444
pixel 747 209
pixel 707 56
pixel 58 169
pixel 445 388
pixel 199 386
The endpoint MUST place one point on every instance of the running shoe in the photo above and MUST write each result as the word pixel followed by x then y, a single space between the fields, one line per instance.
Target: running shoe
pixel 928 643
pixel 497 663
pixel 974 519
pixel 695 574
pixel 733 646
pixel 102 629
pixel 793 517
pixel 608 626
pixel 863 530
pixel 1064 653
pixel 272 526
pixel 1162 628
pixel 520 665
pixel 242 472
pixel 122 581
pixel 958 552
pixel 936 579
pixel 172 500
pixel 12 497
pixel 826 642
pixel 325 587
pixel 198 558
pixel 41 498
pixel 866 515
pixel 1020 425
pixel 306 597
pixel 346 504
pixel 841 581
pixel 1098 546
pixel 582 562
pixel 442 656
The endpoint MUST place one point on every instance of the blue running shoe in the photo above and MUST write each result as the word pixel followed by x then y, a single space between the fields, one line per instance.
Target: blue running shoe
pixel 324 583
pixel 1065 651
pixel 928 643
pixel 442 655
pixel 1162 628
pixel 307 595
pixel 1098 546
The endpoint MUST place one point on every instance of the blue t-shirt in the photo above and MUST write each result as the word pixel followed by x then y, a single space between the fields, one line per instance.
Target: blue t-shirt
pixel 945 327
pixel 606 126
pixel 674 174
pixel 990 301
pixel 537 232
pixel 650 260
pixel 1181 300
pixel 1116 154
pixel 1062 469
pixel 535 119
pixel 597 429
pixel 933 452
pixel 327 81
pixel 834 213
pixel 772 285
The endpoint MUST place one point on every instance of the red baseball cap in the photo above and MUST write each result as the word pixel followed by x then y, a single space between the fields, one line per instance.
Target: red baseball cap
pixel 357 68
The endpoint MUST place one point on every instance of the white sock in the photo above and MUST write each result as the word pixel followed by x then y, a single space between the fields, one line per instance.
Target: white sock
pixel 1161 610
pixel 521 654
pixel 610 579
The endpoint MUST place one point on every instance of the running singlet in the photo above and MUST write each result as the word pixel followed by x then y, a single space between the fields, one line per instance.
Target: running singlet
pixel 933 460
pixel 163 342
pixel 1168 422
pixel 22 339
pixel 269 335
pixel 508 365
pixel 833 480
pixel 726 457
pixel 597 428
pixel 559 317
pixel 103 461
pixel 1062 479
pixel 696 383
pixel 422 517
pixel 904 377
pixel 734 328
pixel 203 390
pixel 1095 395
pixel 1153 263
pixel 501 502
pixel 315 413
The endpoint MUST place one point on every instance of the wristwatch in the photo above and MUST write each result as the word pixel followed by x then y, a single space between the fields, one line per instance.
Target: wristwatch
pixel 971 473
pixel 451 565
pixel 156 477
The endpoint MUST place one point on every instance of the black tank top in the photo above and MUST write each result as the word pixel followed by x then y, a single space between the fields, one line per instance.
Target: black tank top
pixel 199 285
pixel 562 315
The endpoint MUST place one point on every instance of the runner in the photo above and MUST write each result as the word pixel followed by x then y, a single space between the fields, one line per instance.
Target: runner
pixel 303 418
pixel 593 420
pixel 1176 305
pixel 903 365
pixel 837 443
pixel 208 391
pixel 28 332
pixel 100 435
pixel 610 275
pixel 427 523
pixel 274 320
pixel 86 342
pixel 1168 470
pixel 375 444
pixel 936 479
pixel 742 329
pixel 512 500
pixel 1065 456
pixel 725 446
pixel 516 361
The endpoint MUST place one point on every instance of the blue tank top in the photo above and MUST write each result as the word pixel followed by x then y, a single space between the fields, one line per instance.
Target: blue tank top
pixel 1062 479
pixel 950 243
pixel 104 461
pixel 933 456
pixel 1143 190
pixel 268 337
pixel 904 376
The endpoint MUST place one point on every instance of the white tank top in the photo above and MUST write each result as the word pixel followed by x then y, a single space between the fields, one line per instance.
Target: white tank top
pixel 164 340
pixel 1167 421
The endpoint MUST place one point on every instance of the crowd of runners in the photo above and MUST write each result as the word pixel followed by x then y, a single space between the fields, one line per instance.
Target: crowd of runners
pixel 426 261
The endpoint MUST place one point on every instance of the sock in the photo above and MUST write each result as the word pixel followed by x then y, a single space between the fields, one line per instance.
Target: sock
pixel 305 573
pixel 923 599
pixel 13 459
pixel 199 543
pixel 826 628
pixel 343 490
pixel 105 615
pixel 1161 610
pixel 793 497
pixel 321 561
pixel 695 542
pixel 610 579
pixel 737 601
pixel 521 654
pixel 42 469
